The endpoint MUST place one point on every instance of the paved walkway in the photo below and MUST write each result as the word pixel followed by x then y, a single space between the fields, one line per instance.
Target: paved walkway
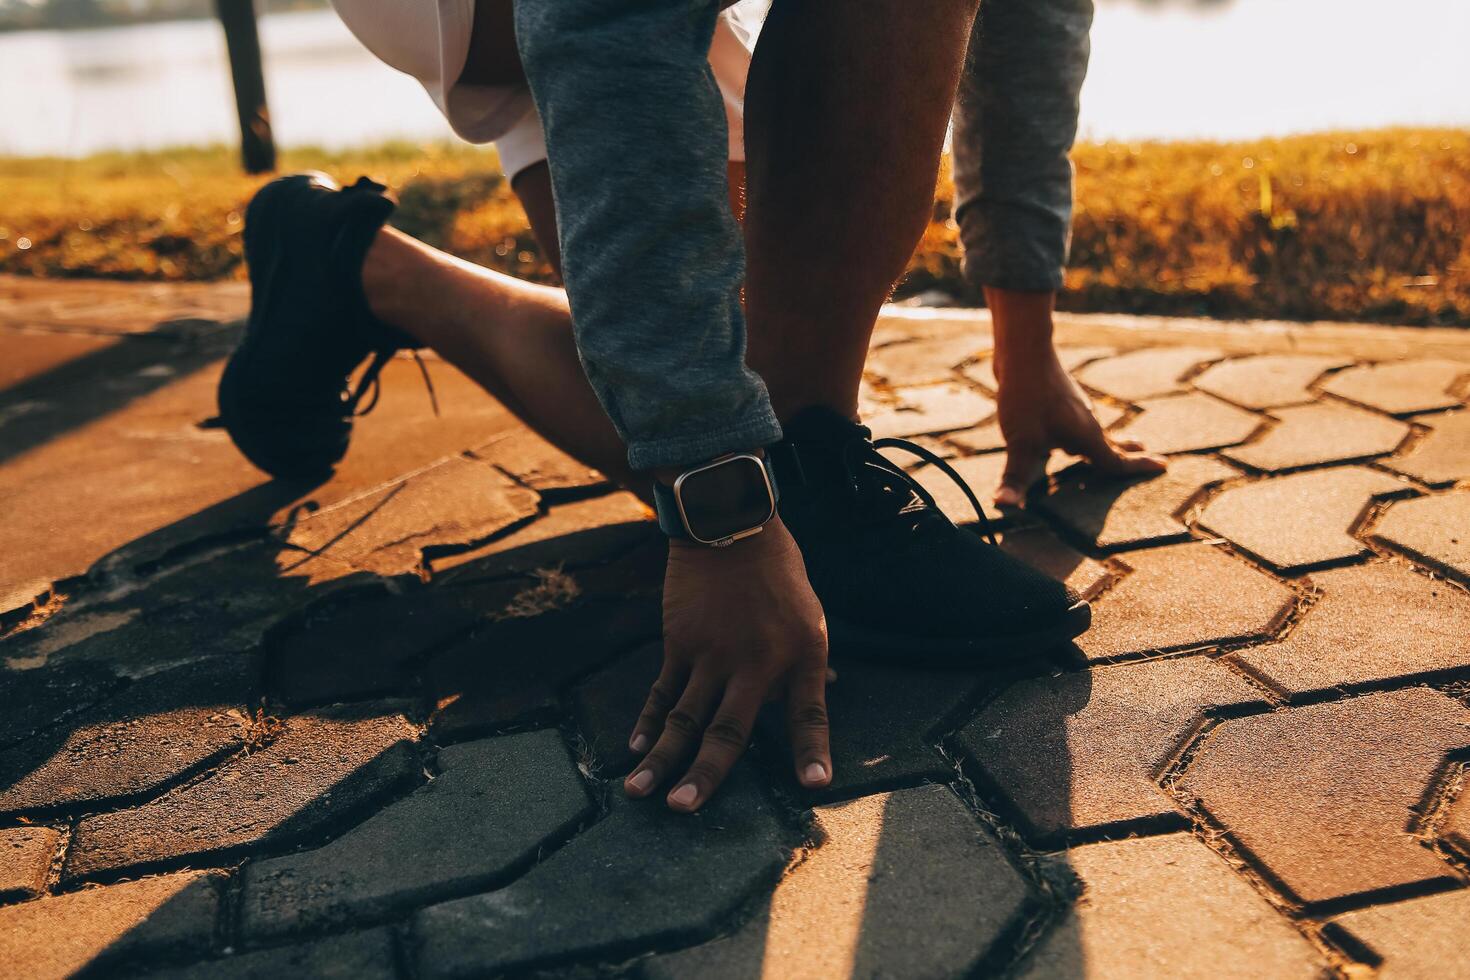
pixel 373 728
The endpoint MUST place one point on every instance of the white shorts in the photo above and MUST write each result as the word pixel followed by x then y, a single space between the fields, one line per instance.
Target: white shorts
pixel 431 43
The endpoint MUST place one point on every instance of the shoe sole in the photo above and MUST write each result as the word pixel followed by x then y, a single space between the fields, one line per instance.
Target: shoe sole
pixel 882 646
pixel 232 398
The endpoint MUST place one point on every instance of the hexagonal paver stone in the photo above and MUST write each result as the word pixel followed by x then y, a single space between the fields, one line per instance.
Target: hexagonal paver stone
pixel 60 935
pixel 1082 751
pixel 1433 530
pixel 1188 423
pixel 1373 623
pixel 327 765
pixel 366 955
pixel 25 860
pixel 1183 597
pixel 157 730
pixel 983 372
pixel 1314 435
pixel 930 409
pixel 1442 456
pixel 455 503
pixel 1423 937
pixel 1401 387
pixel 513 671
pixel 884 722
pixel 920 362
pixel 644 876
pixel 1267 380
pixel 487 813
pixel 1044 551
pixel 1167 907
pixel 607 704
pixel 1323 797
pixel 1299 521
pixel 903 884
pixel 1114 513
pixel 987 437
pixel 1145 373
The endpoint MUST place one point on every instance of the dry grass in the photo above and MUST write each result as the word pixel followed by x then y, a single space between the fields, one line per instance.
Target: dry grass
pixel 1369 226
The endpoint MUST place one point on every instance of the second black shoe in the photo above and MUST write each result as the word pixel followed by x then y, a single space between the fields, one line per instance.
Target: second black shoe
pixel 284 395
pixel 897 579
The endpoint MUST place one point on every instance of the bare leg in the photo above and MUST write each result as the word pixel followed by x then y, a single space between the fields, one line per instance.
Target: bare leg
pixel 846 109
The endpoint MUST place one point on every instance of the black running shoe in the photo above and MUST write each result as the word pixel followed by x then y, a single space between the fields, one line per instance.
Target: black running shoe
pixel 897 579
pixel 284 395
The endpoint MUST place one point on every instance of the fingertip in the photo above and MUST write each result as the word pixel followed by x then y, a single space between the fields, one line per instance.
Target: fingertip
pixel 685 798
pixel 815 774
pixel 640 742
pixel 1008 496
pixel 639 783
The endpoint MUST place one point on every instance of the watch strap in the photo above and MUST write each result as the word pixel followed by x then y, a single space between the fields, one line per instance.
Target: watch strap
pixel 666 505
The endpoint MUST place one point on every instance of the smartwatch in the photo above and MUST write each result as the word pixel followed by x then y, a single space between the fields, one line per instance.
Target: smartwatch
pixel 719 502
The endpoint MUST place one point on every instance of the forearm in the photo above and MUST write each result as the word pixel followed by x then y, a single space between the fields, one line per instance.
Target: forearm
pixel 1014 125
pixel 653 258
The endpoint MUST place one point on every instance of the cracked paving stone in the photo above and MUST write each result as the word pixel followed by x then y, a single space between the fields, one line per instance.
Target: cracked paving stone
pixel 533 462
pixel 988 438
pixel 642 877
pixel 366 642
pixel 1188 423
pixel 883 722
pixel 1302 520
pixel 918 362
pixel 1412 940
pixel 1183 597
pixel 570 535
pixel 1442 457
pixel 493 805
pixel 1114 513
pixel 1323 798
pixel 222 606
pixel 1432 530
pixel 515 669
pixel 365 955
pixel 60 935
pixel 1084 750
pixel 457 502
pixel 1315 435
pixel 1400 387
pixel 931 409
pixel 153 732
pixel 607 704
pixel 1374 622
pixel 1167 907
pixel 1043 551
pixel 327 766
pixel 25 860
pixel 1145 373
pixel 903 884
pixel 1268 380
pixel 983 372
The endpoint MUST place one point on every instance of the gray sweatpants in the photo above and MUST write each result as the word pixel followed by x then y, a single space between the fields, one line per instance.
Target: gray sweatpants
pixel 1014 123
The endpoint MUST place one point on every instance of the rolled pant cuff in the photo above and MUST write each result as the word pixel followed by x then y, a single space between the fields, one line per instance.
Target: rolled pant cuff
pixel 689 450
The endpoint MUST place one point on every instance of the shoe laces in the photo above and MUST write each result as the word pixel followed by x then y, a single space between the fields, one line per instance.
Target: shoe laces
pixel 890 491
pixel 370 387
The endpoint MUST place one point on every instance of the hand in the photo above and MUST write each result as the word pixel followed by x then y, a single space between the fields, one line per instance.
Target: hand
pixel 741 627
pixel 1039 407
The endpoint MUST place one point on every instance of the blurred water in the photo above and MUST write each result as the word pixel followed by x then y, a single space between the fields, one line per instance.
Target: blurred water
pixel 1160 70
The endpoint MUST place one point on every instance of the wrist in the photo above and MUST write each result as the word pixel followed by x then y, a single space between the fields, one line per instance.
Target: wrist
pixel 1023 326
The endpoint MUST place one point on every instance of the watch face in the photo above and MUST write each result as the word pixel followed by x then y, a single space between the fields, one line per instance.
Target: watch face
pixel 725 498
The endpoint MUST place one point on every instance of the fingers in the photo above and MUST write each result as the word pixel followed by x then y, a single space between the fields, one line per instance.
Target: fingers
pixel 682 727
pixel 806 722
pixel 661 697
pixel 1025 464
pixel 724 741
pixel 1123 458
